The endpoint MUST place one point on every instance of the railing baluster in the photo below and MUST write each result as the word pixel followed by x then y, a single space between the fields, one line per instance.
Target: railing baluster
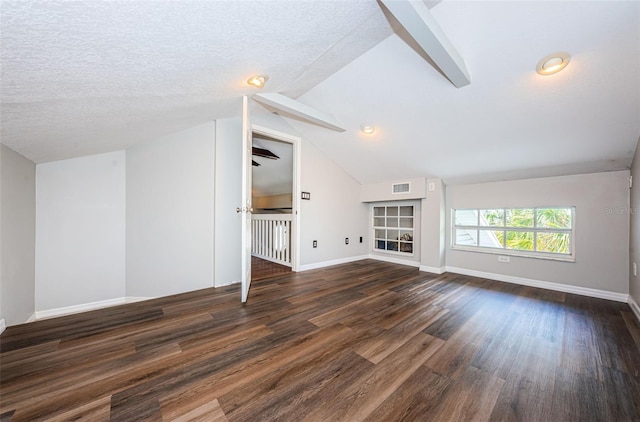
pixel 271 237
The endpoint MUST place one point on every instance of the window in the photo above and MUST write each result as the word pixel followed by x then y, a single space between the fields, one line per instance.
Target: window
pixel 534 232
pixel 393 228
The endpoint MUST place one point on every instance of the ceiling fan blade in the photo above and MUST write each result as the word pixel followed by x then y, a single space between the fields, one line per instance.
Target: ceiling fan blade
pixel 261 152
pixel 255 164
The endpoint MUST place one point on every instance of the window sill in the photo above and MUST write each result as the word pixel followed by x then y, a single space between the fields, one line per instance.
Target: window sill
pixel 519 254
pixel 398 253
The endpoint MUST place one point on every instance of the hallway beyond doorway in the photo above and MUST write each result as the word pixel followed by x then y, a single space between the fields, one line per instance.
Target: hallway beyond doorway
pixel 261 269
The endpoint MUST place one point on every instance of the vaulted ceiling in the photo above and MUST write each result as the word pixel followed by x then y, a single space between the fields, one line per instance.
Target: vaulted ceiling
pixel 80 78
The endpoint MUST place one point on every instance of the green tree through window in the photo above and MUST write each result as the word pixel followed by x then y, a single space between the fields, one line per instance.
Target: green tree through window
pixel 537 230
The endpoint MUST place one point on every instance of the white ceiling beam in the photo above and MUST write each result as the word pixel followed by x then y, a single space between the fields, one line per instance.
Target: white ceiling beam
pixel 415 17
pixel 296 108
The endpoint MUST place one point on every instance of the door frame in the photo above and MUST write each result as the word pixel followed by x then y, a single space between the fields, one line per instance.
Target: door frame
pixel 295 142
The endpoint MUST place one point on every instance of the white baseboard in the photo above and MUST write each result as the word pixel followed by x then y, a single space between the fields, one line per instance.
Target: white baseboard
pixel 584 291
pixel 435 270
pixel 84 307
pixel 133 299
pixel 31 318
pixel 323 264
pixel 228 283
pixel 634 307
pixel 394 260
pixel 3 326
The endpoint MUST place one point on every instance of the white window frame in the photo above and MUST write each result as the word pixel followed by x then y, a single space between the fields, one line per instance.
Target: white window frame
pixel 570 257
pixel 412 229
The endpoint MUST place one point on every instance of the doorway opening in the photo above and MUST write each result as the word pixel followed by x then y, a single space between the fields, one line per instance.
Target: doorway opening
pixel 274 228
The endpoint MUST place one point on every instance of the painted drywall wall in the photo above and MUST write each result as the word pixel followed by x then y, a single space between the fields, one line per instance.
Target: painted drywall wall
pixel 333 213
pixel 80 231
pixel 228 173
pixel 272 201
pixel 433 233
pixel 601 228
pixel 384 191
pixel 170 205
pixel 17 236
pixel 634 232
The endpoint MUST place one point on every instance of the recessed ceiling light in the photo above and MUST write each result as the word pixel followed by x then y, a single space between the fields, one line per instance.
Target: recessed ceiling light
pixel 258 80
pixel 553 63
pixel 367 129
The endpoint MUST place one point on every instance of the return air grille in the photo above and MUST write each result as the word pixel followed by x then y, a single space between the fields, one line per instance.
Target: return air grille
pixel 401 188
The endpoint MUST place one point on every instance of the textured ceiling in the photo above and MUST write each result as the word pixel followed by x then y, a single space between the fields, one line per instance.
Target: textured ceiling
pixel 84 77
pixel 509 122
pixel 79 78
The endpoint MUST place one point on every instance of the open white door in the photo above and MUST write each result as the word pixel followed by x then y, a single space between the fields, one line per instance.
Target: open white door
pixel 246 207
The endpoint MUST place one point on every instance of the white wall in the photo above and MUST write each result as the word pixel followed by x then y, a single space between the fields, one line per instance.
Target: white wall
pixel 601 228
pixel 433 233
pixel 228 184
pixel 333 213
pixel 383 191
pixel 170 205
pixel 272 201
pixel 17 236
pixel 634 240
pixel 80 231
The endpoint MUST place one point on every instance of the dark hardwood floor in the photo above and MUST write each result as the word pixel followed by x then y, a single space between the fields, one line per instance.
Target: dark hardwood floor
pixel 261 269
pixel 366 341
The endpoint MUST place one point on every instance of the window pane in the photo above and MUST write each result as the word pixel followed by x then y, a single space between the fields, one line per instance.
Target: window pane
pixel 466 217
pixel 553 242
pixel 380 234
pixel 392 246
pixel 378 221
pixel 522 217
pixel 406 247
pixel 553 218
pixel 466 237
pixel 379 244
pixel 522 241
pixel 378 211
pixel 492 218
pixel 406 211
pixel 406 235
pixel 392 211
pixel 393 234
pixel 491 238
pixel 392 221
pixel 406 222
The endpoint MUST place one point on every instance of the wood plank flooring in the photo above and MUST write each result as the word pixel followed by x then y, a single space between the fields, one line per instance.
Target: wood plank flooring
pixel 261 269
pixel 366 341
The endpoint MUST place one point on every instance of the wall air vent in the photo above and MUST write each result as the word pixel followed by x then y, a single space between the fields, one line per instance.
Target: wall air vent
pixel 401 188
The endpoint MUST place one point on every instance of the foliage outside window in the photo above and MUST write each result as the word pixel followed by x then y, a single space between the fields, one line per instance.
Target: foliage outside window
pixel 393 228
pixel 538 232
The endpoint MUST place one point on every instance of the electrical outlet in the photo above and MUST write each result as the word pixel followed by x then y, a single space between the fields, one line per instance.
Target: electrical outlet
pixel 432 187
pixel 346 240
pixel 504 259
pixel 315 243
